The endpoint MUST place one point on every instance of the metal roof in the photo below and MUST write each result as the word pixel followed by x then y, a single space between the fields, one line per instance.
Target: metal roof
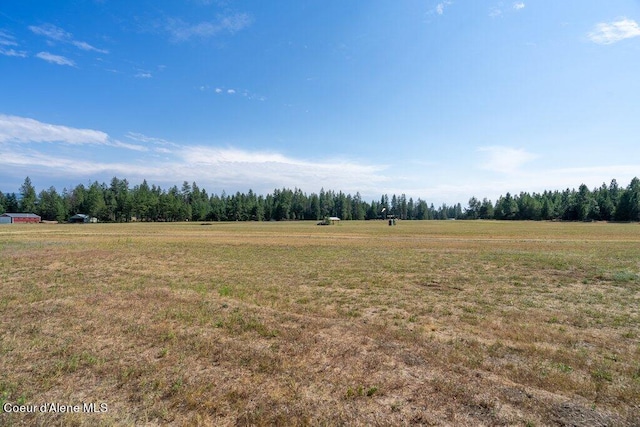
pixel 21 215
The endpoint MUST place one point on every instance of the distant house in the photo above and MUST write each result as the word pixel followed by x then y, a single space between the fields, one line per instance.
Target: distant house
pixel 82 219
pixel 19 218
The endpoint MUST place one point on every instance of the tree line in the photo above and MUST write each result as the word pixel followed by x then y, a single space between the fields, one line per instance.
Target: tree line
pixel 119 202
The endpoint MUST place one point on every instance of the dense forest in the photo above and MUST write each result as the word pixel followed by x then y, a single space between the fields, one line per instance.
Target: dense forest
pixel 119 202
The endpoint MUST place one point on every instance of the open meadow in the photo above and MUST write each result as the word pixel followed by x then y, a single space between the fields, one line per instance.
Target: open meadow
pixel 425 323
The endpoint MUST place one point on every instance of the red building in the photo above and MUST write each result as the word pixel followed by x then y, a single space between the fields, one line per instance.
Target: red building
pixel 19 218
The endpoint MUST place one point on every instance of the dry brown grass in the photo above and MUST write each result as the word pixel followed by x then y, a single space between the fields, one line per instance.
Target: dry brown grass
pixel 425 323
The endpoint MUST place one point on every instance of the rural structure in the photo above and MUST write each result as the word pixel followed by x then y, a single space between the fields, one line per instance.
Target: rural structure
pixel 79 219
pixel 19 218
pixel 82 219
pixel 330 220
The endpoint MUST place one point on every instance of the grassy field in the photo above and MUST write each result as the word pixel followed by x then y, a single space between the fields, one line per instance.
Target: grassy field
pixel 426 323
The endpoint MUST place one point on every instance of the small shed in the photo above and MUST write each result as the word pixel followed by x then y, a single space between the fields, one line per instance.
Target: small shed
pixel 19 218
pixel 328 220
pixel 79 219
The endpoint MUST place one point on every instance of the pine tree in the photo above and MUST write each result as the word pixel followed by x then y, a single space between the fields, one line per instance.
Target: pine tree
pixel 3 202
pixel 28 195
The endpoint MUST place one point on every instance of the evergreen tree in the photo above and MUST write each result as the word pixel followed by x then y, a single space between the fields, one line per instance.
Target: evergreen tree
pixel 258 209
pixel 373 212
pixel 529 207
pixel 327 203
pixel 343 206
pixel 486 209
pixel 78 200
pixel 28 196
pixel 199 201
pixel 567 207
pixel 411 214
pixel 11 203
pixel 628 208
pixel 217 209
pixel 141 195
pixel 614 192
pixel 358 208
pixel 585 204
pixel 547 212
pixel 403 206
pixel 298 202
pixel 119 193
pixel 117 203
pixel 473 209
pixel 458 214
pixel 314 205
pixel 422 210
pixel 269 207
pixel 95 204
pixel 506 207
pixel 395 210
pixel 606 207
pixel 282 200
pixel 51 206
pixel 3 202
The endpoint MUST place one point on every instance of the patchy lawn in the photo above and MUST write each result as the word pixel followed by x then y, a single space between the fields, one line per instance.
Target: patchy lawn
pixel 424 323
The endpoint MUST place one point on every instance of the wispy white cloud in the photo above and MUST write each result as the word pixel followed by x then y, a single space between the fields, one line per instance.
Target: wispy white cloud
pixel 440 7
pixel 73 168
pixel 160 145
pixel 613 32
pixel 500 10
pixel 86 46
pixel 215 168
pixel 55 59
pixel 253 96
pixel 504 159
pixel 143 75
pixel 221 163
pixel 120 144
pixel 216 156
pixel 264 171
pixel 7 39
pixel 8 44
pixel 452 191
pixel 54 33
pixel 94 155
pixel 239 92
pixel 136 136
pixel 183 31
pixel 13 52
pixel 23 130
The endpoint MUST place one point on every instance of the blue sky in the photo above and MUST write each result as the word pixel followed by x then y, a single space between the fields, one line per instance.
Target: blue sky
pixel 441 100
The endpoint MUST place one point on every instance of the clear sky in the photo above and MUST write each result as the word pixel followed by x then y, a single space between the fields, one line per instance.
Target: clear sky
pixel 441 100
